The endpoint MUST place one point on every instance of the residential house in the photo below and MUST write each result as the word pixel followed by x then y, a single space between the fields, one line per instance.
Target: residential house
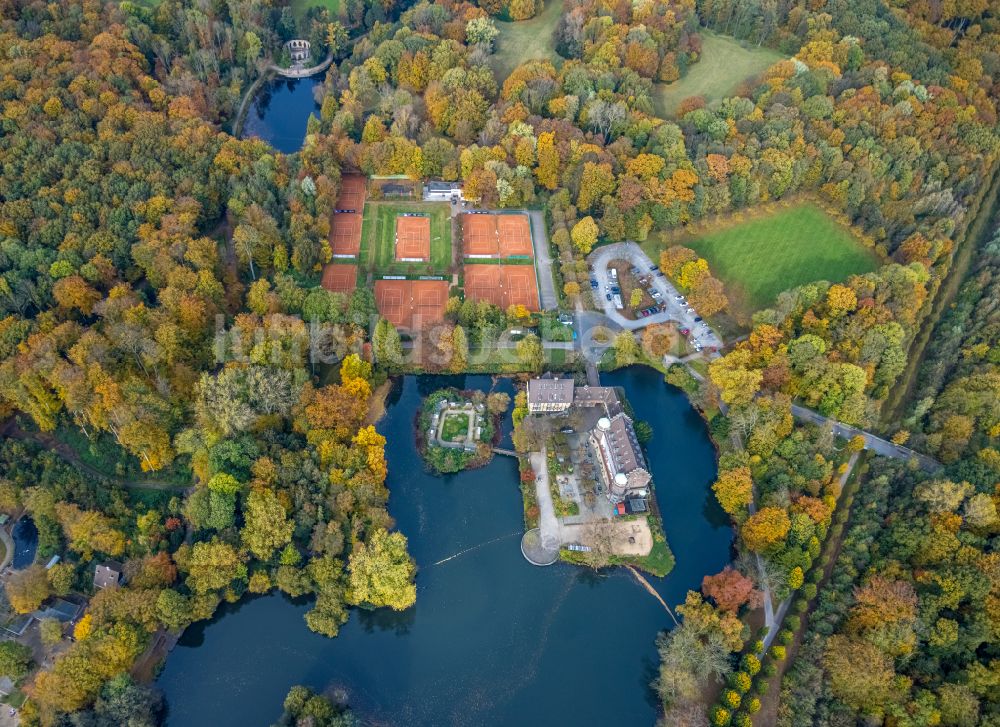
pixel 108 575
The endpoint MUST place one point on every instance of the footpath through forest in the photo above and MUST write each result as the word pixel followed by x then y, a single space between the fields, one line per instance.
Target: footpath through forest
pixel 71 456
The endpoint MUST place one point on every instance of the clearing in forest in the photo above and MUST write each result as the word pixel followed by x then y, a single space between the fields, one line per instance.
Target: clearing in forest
pixel 723 66
pixel 759 258
pixel 301 7
pixel 527 40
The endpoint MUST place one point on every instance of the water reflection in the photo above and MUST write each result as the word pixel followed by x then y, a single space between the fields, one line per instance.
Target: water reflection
pixel 280 112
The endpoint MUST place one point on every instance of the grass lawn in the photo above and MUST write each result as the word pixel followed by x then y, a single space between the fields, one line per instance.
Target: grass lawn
pixel 723 66
pixel 760 258
pixel 527 40
pixel 301 7
pixel 455 427
pixel 660 560
pixel 378 234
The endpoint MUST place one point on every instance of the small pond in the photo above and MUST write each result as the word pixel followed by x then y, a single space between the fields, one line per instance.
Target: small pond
pixel 280 111
pixel 492 639
pixel 25 536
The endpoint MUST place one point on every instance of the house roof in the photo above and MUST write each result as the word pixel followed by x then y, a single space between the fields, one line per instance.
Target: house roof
pixel 621 451
pixel 443 186
pixel 636 504
pixel 107 574
pixel 61 610
pixel 594 395
pixel 550 391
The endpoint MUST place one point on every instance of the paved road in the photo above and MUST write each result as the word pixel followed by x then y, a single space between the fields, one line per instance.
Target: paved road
pixel 543 261
pixel 685 316
pixel 8 544
pixel 548 524
pixel 872 442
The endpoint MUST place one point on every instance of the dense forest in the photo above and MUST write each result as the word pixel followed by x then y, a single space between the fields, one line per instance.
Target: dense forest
pixel 907 630
pixel 158 279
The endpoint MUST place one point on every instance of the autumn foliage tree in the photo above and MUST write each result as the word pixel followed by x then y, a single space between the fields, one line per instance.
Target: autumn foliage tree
pixel 765 529
pixel 27 588
pixel 734 490
pixel 730 589
pixel 381 572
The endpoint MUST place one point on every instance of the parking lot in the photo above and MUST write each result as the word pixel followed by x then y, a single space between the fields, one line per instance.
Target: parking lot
pixel 671 305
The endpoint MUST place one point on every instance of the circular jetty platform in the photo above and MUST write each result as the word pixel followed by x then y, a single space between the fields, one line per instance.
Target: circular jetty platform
pixel 535 552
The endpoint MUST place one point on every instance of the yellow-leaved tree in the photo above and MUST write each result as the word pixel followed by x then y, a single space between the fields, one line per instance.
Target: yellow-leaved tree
pixel 734 489
pixel 380 572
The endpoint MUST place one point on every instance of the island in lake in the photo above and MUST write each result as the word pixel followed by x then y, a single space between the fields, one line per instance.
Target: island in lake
pixel 586 486
pixel 455 429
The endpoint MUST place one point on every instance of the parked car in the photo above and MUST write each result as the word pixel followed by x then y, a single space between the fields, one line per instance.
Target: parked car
pixel 685 331
pixel 653 268
pixel 698 319
pixel 655 294
pixel 678 297
pixel 659 274
pixel 608 296
pixel 593 284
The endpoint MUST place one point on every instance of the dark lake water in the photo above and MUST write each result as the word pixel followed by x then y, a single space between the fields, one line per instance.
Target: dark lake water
pixel 279 112
pixel 492 640
pixel 25 536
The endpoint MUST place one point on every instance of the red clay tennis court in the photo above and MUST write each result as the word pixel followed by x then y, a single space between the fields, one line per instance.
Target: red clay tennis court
pixel 514 234
pixel 340 278
pixel 482 282
pixel 352 193
pixel 411 304
pixel 413 238
pixel 502 285
pixel 520 286
pixel 479 235
pixel 345 228
pixel 345 234
pixel 499 235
